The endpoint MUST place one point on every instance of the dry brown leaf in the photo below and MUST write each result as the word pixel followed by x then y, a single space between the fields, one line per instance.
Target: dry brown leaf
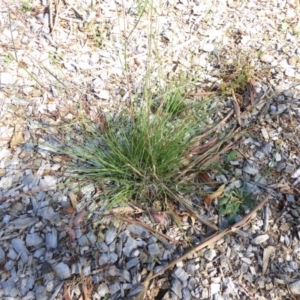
pixel 68 210
pixel 87 287
pixel 73 198
pixel 159 218
pixel 2 172
pixel 205 178
pixel 209 198
pixel 16 139
pixel 71 232
pixel 200 148
pixel 267 253
pixel 67 294
pixel 126 210
pixel 79 217
pixel 61 158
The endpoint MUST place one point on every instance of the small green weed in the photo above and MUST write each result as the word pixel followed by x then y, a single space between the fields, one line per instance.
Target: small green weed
pixel 230 157
pixel 7 59
pixel 26 6
pixel 234 202
pixel 236 76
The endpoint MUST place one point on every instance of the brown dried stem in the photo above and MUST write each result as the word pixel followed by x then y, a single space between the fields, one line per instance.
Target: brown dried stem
pixel 124 219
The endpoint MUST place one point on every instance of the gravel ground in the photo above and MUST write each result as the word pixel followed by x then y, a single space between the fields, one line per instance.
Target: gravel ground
pixel 52 55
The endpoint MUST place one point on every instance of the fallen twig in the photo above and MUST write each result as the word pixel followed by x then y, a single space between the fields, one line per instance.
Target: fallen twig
pixel 200 137
pixel 124 219
pixel 237 108
pixel 26 193
pixel 206 156
pixel 202 93
pixel 208 160
pixel 213 239
pixel 50 15
pixel 57 3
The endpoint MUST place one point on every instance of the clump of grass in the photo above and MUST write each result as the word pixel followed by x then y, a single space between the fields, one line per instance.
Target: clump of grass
pixel 236 77
pixel 136 155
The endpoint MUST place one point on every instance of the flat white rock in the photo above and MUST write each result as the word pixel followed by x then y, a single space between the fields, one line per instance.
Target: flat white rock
pixel 266 58
pixel 6 182
pixel 295 287
pixel 4 153
pixel 6 79
pixel 208 47
pixel 63 271
pixel 210 254
pixel 260 239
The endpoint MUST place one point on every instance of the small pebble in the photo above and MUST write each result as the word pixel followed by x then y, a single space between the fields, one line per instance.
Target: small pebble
pixel 210 254
pixel 295 287
pixel 260 239
pixel 208 47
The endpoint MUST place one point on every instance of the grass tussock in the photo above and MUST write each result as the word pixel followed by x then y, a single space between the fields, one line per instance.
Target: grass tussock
pixel 136 155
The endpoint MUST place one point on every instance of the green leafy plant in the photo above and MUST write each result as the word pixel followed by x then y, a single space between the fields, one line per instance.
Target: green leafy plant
pixel 230 157
pixel 26 6
pixel 7 59
pixel 234 202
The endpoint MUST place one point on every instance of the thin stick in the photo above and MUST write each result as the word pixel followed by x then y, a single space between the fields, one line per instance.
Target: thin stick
pixel 201 219
pixel 200 137
pixel 207 161
pixel 56 15
pixel 204 156
pixel 146 226
pixel 202 93
pixel 26 193
pixel 236 107
pixel 214 238
pixel 50 15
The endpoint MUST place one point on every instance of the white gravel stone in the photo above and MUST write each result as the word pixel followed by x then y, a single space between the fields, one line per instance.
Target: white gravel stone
pixel 2 255
pixel 103 94
pixel 4 153
pixel 6 182
pixel 266 58
pixel 103 290
pixel 260 239
pixel 63 270
pixel 20 248
pixel 250 170
pixel 51 239
pixel 176 288
pixel 296 174
pixel 33 240
pixel 6 79
pixel 208 47
pixel 215 288
pixel 210 254
pixel 295 287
